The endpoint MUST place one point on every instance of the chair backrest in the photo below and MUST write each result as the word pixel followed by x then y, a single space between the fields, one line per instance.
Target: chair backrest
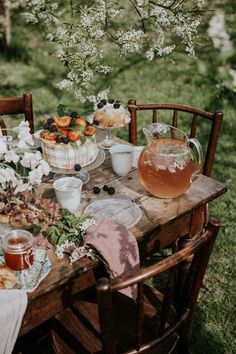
pixel 196 254
pixel 18 105
pixel 214 118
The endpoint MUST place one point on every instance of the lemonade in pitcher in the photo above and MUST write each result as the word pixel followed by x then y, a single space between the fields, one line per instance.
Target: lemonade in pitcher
pixel 170 162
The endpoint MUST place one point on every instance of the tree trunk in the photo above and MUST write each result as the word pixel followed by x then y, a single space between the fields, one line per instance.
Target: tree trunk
pixel 5 25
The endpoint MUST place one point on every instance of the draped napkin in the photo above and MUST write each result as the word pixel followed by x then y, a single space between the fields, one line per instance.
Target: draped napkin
pixel 118 248
pixel 13 304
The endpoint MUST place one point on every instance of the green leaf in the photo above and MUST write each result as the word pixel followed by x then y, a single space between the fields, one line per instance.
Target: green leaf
pixel 79 128
pixel 63 110
pixel 62 239
pixel 74 145
pixel 83 139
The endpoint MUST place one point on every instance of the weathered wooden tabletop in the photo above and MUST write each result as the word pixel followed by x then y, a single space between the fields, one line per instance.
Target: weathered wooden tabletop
pixel 173 218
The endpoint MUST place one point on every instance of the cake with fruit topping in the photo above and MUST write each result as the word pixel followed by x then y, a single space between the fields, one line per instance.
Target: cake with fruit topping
pixel 67 141
pixel 110 114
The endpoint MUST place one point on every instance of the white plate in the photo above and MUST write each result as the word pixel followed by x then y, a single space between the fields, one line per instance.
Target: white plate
pixel 29 279
pixel 121 210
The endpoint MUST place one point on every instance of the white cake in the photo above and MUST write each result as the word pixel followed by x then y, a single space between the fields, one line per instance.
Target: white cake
pixel 66 156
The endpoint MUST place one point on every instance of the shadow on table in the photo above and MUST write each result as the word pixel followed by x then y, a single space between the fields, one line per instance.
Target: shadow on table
pixel 203 341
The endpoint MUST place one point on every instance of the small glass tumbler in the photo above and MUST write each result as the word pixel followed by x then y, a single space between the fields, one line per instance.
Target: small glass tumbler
pixel 17 249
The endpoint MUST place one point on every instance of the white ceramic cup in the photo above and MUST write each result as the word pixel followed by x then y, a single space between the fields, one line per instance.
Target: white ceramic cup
pixel 68 192
pixel 121 158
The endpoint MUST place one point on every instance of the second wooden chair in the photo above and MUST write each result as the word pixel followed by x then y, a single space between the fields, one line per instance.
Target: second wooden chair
pixel 17 105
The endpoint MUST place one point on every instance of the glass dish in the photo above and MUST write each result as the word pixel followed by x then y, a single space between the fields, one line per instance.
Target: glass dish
pixel 121 210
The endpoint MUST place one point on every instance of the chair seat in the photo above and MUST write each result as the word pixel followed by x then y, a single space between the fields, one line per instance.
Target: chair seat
pixel 77 330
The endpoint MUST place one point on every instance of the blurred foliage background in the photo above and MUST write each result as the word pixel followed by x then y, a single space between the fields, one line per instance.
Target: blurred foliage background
pixel 208 83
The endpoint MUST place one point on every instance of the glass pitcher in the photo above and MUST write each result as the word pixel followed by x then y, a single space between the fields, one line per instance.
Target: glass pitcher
pixel 170 162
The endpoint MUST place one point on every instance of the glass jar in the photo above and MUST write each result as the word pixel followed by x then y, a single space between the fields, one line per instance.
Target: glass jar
pixel 17 249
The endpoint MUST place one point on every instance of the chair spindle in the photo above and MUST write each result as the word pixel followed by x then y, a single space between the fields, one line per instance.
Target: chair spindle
pixel 154 116
pixel 140 315
pixel 174 121
pixel 193 126
pixel 167 301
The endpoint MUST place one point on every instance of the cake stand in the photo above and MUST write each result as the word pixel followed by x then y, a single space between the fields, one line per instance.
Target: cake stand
pixel 108 141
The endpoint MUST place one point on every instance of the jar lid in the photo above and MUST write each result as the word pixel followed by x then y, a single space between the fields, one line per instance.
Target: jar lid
pixel 17 241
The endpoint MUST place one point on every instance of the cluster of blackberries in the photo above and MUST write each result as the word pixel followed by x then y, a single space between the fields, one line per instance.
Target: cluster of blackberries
pixel 116 103
pixel 109 190
pixel 62 139
pixel 48 123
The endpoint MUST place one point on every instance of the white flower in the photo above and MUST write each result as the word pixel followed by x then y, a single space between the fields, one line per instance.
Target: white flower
pixel 8 175
pixel 87 223
pixel 64 84
pixel 35 176
pixel 31 159
pixel 11 156
pixel 45 167
pixel 24 135
pixel 50 37
pixel 78 253
pixel 150 54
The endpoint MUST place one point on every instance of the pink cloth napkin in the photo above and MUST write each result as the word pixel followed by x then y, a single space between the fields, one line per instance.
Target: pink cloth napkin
pixel 117 246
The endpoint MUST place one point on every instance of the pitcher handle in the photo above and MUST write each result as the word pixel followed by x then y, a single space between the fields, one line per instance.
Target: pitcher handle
pixel 198 147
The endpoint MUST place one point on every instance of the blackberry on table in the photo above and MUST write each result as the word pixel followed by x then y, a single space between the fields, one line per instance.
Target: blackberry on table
pixel 105 188
pixel 96 190
pixel 111 190
pixel 111 100
pixel 77 167
pixel 116 105
pixel 104 102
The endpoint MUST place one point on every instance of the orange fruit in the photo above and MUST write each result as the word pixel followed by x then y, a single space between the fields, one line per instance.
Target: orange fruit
pixel 90 130
pixel 73 135
pixel 81 121
pixel 63 131
pixel 64 121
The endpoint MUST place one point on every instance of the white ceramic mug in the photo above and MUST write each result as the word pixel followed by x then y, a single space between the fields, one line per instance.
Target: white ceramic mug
pixel 68 192
pixel 121 158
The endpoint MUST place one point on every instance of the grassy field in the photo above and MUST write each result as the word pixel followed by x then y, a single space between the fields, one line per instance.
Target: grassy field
pixel 28 67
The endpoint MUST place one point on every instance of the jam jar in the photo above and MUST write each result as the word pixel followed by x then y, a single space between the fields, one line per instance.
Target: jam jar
pixel 17 249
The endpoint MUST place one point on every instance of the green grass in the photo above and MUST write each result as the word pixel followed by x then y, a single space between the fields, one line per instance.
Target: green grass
pixel 28 67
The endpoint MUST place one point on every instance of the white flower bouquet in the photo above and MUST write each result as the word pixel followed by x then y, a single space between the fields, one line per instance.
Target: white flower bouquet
pixel 21 168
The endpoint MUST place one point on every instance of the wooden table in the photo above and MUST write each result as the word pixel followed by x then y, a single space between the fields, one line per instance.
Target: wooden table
pixel 173 218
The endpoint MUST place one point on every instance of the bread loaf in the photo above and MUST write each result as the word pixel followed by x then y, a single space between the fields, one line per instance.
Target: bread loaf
pixel 7 277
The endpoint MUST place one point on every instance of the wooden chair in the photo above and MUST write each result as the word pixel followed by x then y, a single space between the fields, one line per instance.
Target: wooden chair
pixel 158 322
pixel 18 105
pixel 214 118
